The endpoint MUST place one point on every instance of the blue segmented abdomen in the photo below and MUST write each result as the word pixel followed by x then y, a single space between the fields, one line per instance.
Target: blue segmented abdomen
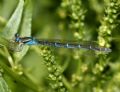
pixel 74 45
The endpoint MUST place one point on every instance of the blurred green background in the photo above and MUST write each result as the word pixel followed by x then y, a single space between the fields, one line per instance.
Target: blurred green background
pixel 81 70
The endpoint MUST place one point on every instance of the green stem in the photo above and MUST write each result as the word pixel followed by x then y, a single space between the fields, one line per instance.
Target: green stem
pixel 67 84
pixel 19 78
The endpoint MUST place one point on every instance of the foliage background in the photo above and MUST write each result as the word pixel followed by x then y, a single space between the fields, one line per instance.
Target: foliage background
pixel 48 69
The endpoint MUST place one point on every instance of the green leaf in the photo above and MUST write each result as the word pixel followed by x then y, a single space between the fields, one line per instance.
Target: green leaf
pixel 7 8
pixel 3 85
pixel 13 23
pixel 25 29
pixel 27 18
pixel 21 79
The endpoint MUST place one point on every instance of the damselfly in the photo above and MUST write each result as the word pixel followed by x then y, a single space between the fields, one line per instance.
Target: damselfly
pixel 57 43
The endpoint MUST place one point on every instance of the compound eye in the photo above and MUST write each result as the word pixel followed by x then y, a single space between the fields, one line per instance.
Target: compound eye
pixel 16 35
pixel 17 39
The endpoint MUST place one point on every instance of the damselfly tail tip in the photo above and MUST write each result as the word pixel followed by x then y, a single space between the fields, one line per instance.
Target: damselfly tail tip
pixel 108 50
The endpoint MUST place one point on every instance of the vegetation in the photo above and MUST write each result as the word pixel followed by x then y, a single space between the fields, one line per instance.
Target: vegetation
pixel 49 69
